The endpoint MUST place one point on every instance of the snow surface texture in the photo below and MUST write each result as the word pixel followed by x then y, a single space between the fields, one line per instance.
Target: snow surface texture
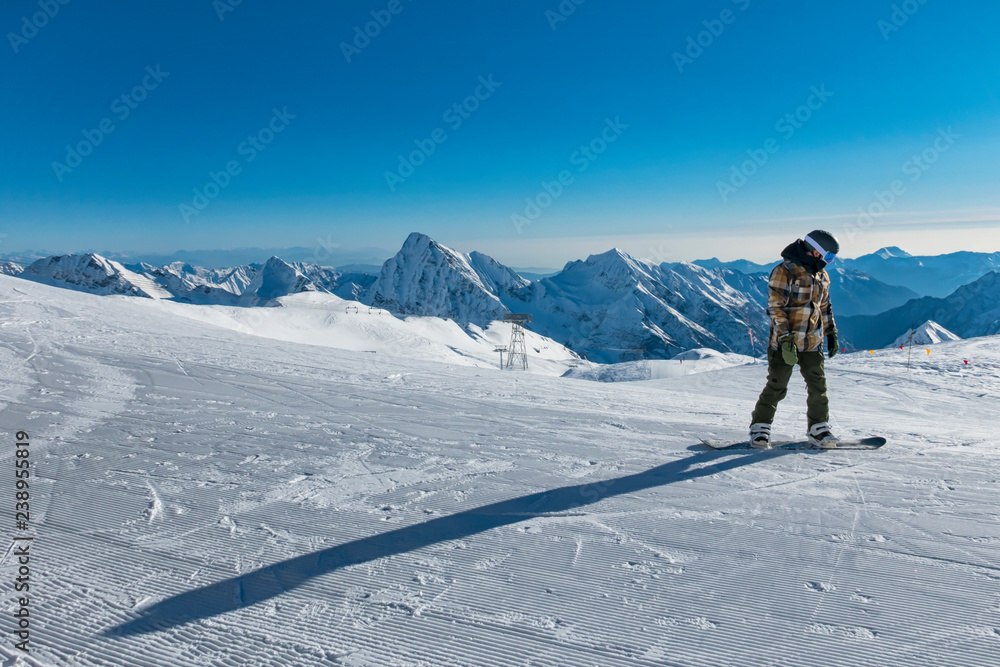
pixel 205 496
pixel 687 363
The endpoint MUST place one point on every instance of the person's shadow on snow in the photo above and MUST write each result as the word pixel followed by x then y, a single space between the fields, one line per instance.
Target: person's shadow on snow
pixel 268 582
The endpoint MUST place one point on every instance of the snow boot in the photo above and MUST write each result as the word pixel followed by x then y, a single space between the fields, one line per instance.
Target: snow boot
pixel 760 435
pixel 820 436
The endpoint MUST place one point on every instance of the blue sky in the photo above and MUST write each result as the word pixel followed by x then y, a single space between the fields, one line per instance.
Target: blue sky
pixel 576 131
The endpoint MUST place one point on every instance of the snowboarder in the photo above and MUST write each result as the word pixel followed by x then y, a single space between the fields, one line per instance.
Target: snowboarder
pixel 801 316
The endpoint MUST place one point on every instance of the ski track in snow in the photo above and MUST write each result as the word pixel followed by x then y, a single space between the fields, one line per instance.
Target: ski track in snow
pixel 204 496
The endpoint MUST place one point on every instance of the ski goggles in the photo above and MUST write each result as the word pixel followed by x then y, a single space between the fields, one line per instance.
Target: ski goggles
pixel 827 256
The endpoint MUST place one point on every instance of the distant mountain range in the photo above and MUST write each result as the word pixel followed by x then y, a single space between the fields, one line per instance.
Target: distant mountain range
pixel 609 307
pixel 852 292
pixel 936 275
pixel 971 310
pixel 324 252
pixel 249 285
pixel 604 308
pixel 929 275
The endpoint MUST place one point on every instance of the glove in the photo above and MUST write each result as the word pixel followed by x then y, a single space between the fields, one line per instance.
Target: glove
pixel 788 350
pixel 831 343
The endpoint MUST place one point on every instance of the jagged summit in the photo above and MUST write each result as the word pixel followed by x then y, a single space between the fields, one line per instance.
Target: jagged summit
pixel 277 278
pixel 617 257
pixel 612 269
pixel 891 251
pixel 428 278
pixel 502 278
pixel 611 304
pixel 928 333
pixel 247 285
pixel 90 272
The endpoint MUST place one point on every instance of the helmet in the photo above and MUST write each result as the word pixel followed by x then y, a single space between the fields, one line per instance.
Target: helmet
pixel 825 243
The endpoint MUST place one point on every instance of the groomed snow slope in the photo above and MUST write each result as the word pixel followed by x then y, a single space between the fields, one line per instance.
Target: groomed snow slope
pixel 699 360
pixel 203 496
pixel 317 318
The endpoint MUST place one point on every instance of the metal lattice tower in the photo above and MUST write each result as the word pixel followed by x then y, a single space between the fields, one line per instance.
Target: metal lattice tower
pixel 517 348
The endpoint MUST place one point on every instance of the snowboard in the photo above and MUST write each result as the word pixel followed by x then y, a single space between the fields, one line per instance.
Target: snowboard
pixel 863 443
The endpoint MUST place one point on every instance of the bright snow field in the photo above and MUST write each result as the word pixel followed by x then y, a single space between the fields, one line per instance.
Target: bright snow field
pixel 209 488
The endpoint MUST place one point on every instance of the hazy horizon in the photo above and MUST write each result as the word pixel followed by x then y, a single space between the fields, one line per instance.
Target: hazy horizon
pixel 321 254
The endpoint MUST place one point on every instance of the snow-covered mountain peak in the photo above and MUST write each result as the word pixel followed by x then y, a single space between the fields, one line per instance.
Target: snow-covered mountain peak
pixel 928 333
pixel 88 262
pixel 427 278
pixel 610 304
pixel 417 239
pixel 422 249
pixel 492 272
pixel 91 272
pixel 278 278
pixel 614 257
pixel 11 268
pixel 891 251
pixel 418 245
pixel 178 267
pixel 615 268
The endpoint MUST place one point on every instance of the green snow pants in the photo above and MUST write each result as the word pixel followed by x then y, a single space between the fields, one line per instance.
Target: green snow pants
pixel 778 375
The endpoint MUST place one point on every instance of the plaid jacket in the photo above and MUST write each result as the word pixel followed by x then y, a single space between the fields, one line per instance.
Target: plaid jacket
pixel 799 302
